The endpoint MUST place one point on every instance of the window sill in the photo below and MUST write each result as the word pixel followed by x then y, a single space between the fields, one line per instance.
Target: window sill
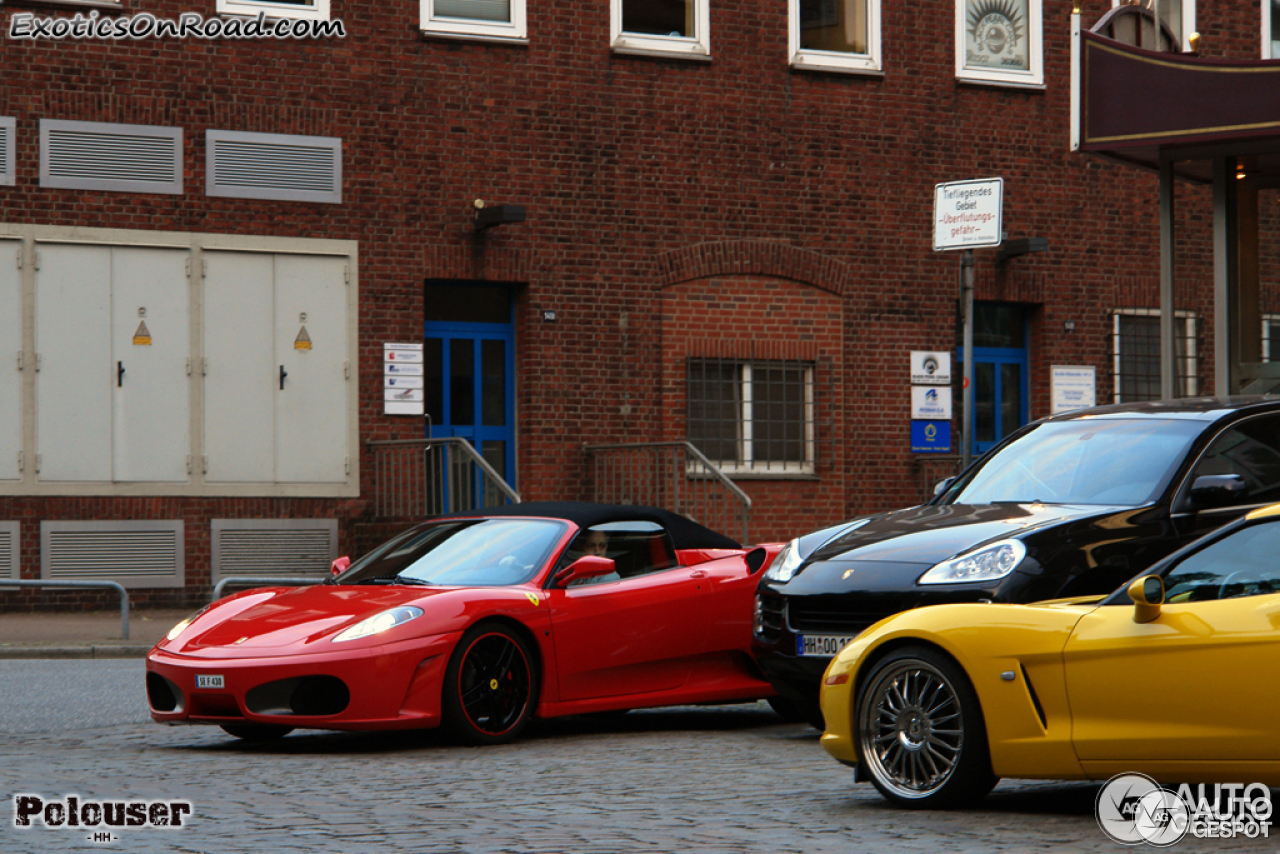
pixel 1001 84
pixel 487 38
pixel 811 64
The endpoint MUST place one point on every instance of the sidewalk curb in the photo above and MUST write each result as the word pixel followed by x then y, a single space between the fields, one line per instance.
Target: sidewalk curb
pixel 105 651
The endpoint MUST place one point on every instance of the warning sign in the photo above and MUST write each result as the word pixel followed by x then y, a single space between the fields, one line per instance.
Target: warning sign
pixel 142 337
pixel 303 341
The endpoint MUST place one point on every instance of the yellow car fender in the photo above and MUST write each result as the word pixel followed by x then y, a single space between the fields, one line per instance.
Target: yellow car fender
pixel 1012 655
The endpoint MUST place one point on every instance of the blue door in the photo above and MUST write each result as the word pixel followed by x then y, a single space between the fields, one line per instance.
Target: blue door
pixel 469 370
pixel 1001 384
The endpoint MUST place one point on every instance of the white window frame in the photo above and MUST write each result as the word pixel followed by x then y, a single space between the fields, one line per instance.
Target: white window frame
pixel 697 46
pixel 828 60
pixel 1189 20
pixel 745 465
pixel 1190 364
pixel 1267 51
pixel 474 29
pixel 1031 78
pixel 315 10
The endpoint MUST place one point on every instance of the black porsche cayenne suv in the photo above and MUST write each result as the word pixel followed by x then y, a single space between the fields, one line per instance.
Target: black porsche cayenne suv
pixel 1070 505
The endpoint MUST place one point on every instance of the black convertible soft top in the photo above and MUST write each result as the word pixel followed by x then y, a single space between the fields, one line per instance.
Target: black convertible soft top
pixel 685 533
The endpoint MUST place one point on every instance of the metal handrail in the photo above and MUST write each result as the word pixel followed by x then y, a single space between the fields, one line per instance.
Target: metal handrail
pixel 87 585
pixel 671 494
pixel 711 467
pixel 261 581
pixel 491 475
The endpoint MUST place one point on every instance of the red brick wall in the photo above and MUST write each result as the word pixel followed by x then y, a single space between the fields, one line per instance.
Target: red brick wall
pixel 630 167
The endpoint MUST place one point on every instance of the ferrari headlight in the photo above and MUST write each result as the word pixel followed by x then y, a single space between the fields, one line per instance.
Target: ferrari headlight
pixel 182 626
pixel 784 566
pixel 986 564
pixel 380 623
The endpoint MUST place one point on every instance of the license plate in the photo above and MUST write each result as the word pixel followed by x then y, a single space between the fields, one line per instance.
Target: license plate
pixel 821 646
pixel 209 681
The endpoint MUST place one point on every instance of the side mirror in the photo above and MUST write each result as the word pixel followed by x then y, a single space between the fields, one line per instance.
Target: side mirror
pixel 589 566
pixel 1147 594
pixel 1218 490
pixel 339 566
pixel 941 486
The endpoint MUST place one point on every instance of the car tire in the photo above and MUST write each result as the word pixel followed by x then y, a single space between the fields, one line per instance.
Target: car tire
pixel 490 686
pixel 257 732
pixel 920 734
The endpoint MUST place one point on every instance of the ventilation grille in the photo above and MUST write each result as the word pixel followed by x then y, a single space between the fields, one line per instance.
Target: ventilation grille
pixel 126 158
pixel 269 548
pixel 7 146
pixel 275 166
pixel 8 549
pixel 135 554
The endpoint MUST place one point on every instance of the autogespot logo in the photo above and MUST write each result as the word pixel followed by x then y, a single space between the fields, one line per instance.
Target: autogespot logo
pixel 1133 809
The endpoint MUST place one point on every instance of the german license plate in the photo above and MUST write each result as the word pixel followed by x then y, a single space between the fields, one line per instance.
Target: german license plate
pixel 821 646
pixel 207 680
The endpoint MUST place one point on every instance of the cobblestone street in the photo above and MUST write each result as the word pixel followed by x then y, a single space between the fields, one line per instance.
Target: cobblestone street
pixel 719 779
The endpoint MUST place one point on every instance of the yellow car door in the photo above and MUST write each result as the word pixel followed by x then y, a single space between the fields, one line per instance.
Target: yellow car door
pixel 1197 683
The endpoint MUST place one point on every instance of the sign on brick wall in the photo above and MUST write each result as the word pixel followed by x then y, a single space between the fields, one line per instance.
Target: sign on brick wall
pixel 966 214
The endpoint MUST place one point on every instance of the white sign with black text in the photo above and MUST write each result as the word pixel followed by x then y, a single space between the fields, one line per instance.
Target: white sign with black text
pixel 402 379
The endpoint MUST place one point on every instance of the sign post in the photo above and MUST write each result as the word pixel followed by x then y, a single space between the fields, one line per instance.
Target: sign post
pixel 966 216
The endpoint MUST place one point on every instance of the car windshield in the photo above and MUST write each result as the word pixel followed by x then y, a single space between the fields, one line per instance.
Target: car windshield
pixel 1083 461
pixel 469 552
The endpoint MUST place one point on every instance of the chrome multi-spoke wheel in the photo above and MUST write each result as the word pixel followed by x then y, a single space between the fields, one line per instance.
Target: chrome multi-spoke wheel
pixel 490 686
pixel 920 731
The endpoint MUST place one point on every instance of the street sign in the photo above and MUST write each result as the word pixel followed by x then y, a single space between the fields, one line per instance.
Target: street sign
pixel 967 214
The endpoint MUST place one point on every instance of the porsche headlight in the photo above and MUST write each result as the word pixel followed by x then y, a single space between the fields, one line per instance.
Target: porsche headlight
pixel 784 566
pixel 182 626
pixel 378 623
pixel 986 564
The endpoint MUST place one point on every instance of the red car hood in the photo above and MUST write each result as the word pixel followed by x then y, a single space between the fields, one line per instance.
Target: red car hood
pixel 278 617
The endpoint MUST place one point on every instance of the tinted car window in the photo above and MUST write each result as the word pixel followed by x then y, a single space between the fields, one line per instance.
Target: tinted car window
pixel 1250 449
pixel 1241 564
pixel 471 553
pixel 1084 461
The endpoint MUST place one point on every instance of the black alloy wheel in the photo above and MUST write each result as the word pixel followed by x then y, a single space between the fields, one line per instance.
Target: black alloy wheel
pixel 490 686
pixel 920 733
pixel 257 732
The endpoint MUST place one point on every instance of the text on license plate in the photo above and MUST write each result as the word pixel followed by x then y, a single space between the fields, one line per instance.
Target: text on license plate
pixel 209 681
pixel 825 646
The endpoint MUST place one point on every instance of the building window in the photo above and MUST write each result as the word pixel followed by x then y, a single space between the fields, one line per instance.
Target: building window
pixel 310 10
pixel 661 27
pixel 498 20
pixel 999 41
pixel 835 35
pixel 1179 16
pixel 752 417
pixel 1136 351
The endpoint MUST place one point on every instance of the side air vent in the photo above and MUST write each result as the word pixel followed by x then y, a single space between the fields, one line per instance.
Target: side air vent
pixel 8 148
pixel 9 566
pixel 274 166
pixel 120 158
pixel 134 554
pixel 273 547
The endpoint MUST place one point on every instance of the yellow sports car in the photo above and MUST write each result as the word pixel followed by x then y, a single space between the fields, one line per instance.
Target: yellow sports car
pixel 1173 676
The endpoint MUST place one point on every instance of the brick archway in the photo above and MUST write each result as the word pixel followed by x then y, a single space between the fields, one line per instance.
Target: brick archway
pixel 752 257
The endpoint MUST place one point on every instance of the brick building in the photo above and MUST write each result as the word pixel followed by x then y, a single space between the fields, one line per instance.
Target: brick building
pixel 726 240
